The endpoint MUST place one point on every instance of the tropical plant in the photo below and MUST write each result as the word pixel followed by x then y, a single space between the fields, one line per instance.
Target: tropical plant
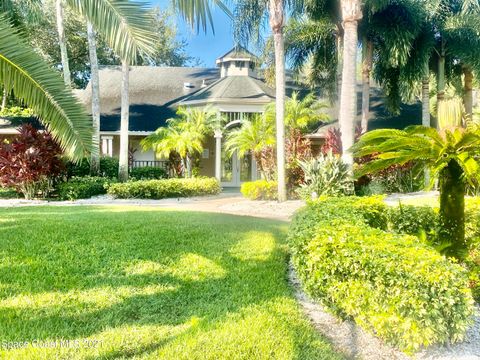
pixel 256 135
pixel 184 135
pixel 30 162
pixel 43 91
pixel 450 154
pixel 300 114
pixel 326 175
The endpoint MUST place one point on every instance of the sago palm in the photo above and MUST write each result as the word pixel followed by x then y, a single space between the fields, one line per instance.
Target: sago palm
pixel 450 154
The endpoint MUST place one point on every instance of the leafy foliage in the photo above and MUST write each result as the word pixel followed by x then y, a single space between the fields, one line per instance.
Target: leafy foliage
pixel 390 284
pixel 108 168
pixel 259 190
pixel 147 173
pixel 168 188
pixel 43 90
pixel 82 187
pixel 30 162
pixel 326 175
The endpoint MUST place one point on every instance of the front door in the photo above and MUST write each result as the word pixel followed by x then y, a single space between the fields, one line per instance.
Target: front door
pixel 236 170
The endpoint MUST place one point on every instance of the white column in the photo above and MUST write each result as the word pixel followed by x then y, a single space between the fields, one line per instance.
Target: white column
pixel 218 154
pixel 107 146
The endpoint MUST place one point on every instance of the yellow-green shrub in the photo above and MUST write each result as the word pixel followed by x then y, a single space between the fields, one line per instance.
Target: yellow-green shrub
pixel 391 284
pixel 165 188
pixel 259 190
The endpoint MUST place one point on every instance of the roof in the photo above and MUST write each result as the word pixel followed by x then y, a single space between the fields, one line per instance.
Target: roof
pixel 154 94
pixel 379 116
pixel 244 89
pixel 237 53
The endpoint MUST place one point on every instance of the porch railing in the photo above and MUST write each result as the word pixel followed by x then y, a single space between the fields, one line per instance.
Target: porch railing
pixel 151 163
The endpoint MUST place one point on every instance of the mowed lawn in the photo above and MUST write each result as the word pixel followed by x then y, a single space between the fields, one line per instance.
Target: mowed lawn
pixel 138 282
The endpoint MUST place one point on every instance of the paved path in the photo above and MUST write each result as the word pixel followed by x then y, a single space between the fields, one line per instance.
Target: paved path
pixel 227 203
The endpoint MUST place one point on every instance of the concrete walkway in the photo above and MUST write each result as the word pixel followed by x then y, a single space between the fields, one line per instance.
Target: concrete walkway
pixel 226 203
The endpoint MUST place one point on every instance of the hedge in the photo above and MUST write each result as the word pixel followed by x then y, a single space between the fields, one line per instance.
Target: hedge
pixel 82 187
pixel 167 188
pixel 148 173
pixel 260 190
pixel 108 168
pixel 391 284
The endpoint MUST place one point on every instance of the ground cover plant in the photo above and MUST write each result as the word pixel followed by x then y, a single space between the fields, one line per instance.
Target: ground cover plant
pixel 392 284
pixel 140 282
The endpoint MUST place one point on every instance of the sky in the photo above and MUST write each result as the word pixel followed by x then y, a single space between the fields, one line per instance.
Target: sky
pixel 207 47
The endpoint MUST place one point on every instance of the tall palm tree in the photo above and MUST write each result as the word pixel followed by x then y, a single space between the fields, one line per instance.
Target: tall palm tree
pixel 62 42
pixel 250 15
pixel 42 89
pixel 95 84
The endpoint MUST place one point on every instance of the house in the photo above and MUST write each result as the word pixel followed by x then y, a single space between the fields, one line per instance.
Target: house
pixel 233 88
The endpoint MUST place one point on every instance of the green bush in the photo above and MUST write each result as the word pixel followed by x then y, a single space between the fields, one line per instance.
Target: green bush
pixel 108 168
pixel 148 173
pixel 412 220
pixel 8 193
pixel 391 284
pixel 167 188
pixel 82 187
pixel 259 190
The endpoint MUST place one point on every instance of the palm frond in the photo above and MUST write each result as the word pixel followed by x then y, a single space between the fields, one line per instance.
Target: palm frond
pixel 199 12
pixel 43 90
pixel 124 24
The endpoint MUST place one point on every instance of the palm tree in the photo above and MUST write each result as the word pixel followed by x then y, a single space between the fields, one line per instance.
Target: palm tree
pixel 451 154
pixel 62 43
pixel 95 84
pixel 255 136
pixel 184 135
pixel 42 89
pixel 249 16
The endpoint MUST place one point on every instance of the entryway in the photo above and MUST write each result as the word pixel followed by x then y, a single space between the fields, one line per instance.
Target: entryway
pixel 236 170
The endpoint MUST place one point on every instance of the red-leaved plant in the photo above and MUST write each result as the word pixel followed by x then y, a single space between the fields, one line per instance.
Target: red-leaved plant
pixel 30 162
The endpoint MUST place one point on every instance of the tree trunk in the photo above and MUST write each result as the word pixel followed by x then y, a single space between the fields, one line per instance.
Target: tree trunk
pixel 367 55
pixel 123 161
pixel 4 99
pixel 63 44
pixel 440 79
pixel 426 111
pixel 351 13
pixel 468 92
pixel 339 68
pixel 189 166
pixel 92 49
pixel 276 24
pixel 452 210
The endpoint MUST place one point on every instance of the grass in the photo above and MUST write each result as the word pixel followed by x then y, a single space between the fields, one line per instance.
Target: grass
pixel 145 283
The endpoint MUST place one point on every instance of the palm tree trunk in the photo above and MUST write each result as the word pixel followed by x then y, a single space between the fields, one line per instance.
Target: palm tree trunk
pixel 351 14
pixel 468 92
pixel 426 111
pixel 123 160
pixel 276 24
pixel 452 210
pixel 367 55
pixel 4 99
pixel 441 78
pixel 339 67
pixel 92 49
pixel 188 173
pixel 63 44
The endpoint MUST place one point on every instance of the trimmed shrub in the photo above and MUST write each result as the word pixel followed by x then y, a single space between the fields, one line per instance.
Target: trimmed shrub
pixel 391 284
pixel 148 173
pixel 259 190
pixel 412 220
pixel 167 188
pixel 82 187
pixel 108 168
pixel 8 193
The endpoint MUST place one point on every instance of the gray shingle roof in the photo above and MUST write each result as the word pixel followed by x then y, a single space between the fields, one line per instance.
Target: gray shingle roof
pixel 234 88
pixel 154 94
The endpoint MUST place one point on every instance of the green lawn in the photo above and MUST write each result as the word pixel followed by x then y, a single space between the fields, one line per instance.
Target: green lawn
pixel 138 282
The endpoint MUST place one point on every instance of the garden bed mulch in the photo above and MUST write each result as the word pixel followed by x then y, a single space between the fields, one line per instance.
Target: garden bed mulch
pixel 355 343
